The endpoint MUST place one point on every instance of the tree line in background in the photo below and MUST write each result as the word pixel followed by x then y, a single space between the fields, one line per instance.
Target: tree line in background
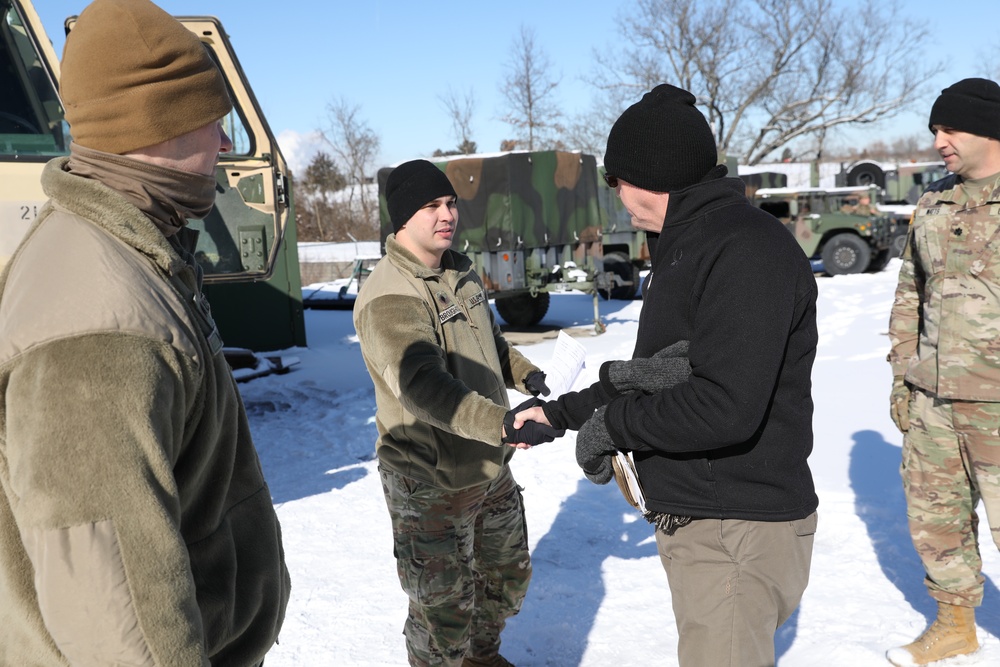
pixel 775 78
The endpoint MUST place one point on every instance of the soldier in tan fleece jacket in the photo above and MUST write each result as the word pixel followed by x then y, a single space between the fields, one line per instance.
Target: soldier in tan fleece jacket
pixel 441 370
pixel 135 524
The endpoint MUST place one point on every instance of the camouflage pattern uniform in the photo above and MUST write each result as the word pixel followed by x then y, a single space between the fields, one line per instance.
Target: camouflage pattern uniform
pixel 462 558
pixel 441 370
pixel 945 335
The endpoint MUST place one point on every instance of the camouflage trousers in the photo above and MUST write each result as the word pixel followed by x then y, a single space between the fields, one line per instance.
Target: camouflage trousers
pixel 951 461
pixel 462 558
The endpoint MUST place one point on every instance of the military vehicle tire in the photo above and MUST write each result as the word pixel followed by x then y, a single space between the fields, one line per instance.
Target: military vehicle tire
pixel 846 253
pixel 523 310
pixel 618 263
pixel 866 174
pixel 880 260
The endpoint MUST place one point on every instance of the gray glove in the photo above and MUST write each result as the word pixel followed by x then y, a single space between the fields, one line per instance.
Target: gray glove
pixel 594 449
pixel 663 370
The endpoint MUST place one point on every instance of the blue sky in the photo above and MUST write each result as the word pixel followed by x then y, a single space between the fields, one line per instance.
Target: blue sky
pixel 394 58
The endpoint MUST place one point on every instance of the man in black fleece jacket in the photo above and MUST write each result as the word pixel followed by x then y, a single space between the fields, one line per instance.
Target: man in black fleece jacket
pixel 721 456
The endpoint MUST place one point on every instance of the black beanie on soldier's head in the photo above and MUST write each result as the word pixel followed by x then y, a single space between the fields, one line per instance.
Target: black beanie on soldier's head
pixel 410 186
pixel 662 142
pixel 971 105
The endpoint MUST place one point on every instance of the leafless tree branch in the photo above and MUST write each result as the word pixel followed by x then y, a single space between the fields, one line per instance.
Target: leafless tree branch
pixel 529 92
pixel 771 72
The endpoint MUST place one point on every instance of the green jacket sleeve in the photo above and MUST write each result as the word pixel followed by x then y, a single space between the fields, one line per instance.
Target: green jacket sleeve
pixel 94 431
pixel 516 366
pixel 400 343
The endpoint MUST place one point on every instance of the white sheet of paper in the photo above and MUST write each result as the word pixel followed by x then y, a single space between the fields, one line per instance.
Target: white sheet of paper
pixel 565 366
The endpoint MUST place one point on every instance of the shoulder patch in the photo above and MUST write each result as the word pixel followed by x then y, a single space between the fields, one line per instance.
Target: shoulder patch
pixel 476 299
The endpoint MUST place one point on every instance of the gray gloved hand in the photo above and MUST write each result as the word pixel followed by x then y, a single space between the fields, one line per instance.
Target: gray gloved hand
pixel 594 449
pixel 663 370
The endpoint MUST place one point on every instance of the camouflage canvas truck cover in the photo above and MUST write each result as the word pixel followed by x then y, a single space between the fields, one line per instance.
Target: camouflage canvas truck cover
pixel 623 248
pixel 246 244
pixel 529 221
pixel 843 227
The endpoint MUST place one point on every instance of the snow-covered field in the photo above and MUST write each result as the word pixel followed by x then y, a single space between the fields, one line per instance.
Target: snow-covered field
pixel 599 596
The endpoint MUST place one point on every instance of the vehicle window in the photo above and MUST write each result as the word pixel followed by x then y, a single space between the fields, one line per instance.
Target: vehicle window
pixel 31 117
pixel 234 123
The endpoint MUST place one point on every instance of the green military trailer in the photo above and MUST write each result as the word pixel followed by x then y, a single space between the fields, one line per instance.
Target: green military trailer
pixel 843 227
pixel 623 247
pixel 532 224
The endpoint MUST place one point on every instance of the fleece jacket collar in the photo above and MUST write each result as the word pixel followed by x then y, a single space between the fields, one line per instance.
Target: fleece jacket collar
pixel 111 212
pixel 407 261
pixel 702 198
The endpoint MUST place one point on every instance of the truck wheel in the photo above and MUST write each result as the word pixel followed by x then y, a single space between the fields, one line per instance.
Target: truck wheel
pixel 523 310
pixel 618 264
pixel 866 174
pixel 880 260
pixel 846 253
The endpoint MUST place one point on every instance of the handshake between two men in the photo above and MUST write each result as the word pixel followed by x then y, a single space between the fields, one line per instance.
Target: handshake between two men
pixel 536 422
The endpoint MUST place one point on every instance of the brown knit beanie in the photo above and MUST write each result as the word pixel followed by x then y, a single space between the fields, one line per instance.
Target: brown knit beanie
pixel 133 76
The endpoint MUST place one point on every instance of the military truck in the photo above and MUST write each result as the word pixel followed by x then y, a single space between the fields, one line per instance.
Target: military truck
pixel 247 243
pixel 623 247
pixel 902 184
pixel 834 225
pixel 532 224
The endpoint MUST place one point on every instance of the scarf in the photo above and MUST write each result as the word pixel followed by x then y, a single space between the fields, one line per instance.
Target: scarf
pixel 168 197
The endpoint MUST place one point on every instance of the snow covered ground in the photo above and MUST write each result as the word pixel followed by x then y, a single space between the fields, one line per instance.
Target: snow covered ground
pixel 598 596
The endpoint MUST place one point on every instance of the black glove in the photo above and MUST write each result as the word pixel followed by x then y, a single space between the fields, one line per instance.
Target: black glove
pixel 532 433
pixel 663 370
pixel 535 383
pixel 594 449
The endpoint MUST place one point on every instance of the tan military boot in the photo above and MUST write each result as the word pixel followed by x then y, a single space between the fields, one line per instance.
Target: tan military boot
pixel 952 633
pixel 495 661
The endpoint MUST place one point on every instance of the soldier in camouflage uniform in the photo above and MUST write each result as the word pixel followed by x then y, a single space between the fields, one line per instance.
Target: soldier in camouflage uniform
pixel 441 370
pixel 945 333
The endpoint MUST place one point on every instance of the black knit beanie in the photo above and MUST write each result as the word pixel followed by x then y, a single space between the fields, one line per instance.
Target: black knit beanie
pixel 410 186
pixel 971 105
pixel 661 143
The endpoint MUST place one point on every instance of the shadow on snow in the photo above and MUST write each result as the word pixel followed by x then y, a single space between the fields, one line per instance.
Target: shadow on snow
pixel 880 503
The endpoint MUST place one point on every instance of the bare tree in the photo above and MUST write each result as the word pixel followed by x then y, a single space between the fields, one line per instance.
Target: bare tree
pixel 770 72
pixel 356 147
pixel 991 70
pixel 321 216
pixel 528 89
pixel 460 110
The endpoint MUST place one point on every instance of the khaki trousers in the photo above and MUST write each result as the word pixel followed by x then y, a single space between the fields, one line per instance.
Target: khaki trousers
pixel 733 584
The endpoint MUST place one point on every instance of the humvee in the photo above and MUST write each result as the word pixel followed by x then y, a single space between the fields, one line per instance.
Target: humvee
pixel 834 225
pixel 246 244
pixel 902 183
